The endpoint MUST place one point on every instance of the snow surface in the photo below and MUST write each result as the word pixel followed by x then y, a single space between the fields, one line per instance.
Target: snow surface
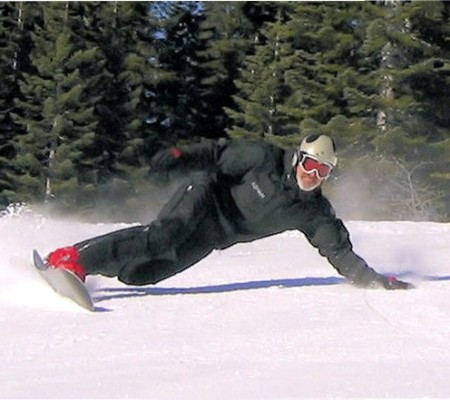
pixel 265 320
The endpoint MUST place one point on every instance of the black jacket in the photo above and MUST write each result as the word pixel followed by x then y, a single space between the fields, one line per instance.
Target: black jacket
pixel 257 196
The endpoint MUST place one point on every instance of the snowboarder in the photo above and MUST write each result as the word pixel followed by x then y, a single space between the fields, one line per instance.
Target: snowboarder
pixel 242 191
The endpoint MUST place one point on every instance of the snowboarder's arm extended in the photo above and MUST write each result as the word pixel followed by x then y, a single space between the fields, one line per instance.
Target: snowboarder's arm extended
pixel 197 156
pixel 331 238
pixel 230 157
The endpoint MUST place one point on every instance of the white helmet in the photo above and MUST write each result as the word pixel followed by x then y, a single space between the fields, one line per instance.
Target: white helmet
pixel 321 147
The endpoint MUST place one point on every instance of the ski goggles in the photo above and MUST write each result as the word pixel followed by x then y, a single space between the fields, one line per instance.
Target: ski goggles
pixel 310 164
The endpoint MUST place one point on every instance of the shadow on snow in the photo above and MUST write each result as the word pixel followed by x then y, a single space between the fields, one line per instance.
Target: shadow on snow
pixel 115 293
pixel 139 291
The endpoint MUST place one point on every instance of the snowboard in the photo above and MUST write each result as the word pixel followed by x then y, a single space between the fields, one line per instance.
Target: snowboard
pixel 64 282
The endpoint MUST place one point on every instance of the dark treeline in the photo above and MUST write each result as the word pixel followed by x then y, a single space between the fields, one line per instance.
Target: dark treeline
pixel 91 90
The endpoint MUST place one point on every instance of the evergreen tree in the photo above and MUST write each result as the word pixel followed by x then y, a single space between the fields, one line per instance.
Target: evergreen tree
pixel 125 108
pixel 335 97
pixel 90 90
pixel 125 82
pixel 263 84
pixel 56 115
pixel 412 61
pixel 139 76
pixel 15 19
pixel 8 51
pixel 312 49
pixel 349 61
pixel 228 34
pixel 109 28
pixel 177 60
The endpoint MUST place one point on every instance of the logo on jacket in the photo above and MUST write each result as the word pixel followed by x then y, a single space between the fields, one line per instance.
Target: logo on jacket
pixel 258 190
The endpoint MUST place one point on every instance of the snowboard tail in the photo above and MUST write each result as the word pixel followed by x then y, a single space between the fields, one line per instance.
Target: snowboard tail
pixel 64 282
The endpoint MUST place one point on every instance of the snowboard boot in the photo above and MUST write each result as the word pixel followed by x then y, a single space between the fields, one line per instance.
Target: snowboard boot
pixel 67 258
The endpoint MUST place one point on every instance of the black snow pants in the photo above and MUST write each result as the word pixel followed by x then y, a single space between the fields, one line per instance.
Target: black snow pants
pixel 185 231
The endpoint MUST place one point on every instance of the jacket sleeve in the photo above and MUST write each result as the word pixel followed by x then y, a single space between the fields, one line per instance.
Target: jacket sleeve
pixel 329 235
pixel 200 156
pixel 228 157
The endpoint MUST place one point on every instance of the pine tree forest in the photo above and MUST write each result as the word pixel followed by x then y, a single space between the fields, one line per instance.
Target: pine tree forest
pixel 90 91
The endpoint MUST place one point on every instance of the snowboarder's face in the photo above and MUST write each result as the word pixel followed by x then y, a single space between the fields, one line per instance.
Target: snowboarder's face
pixel 307 180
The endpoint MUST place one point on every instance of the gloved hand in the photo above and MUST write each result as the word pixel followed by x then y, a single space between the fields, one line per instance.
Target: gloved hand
pixel 392 283
pixel 165 160
pixel 161 164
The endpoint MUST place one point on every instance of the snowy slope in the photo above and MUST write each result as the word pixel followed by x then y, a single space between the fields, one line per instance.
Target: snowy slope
pixel 265 320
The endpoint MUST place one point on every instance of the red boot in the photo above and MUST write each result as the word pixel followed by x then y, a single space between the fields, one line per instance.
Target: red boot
pixel 66 258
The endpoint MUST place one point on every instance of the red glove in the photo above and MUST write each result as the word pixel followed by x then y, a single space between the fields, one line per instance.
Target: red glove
pixel 165 159
pixel 392 283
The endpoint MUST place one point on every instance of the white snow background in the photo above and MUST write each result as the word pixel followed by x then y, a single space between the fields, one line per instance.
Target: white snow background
pixel 265 320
